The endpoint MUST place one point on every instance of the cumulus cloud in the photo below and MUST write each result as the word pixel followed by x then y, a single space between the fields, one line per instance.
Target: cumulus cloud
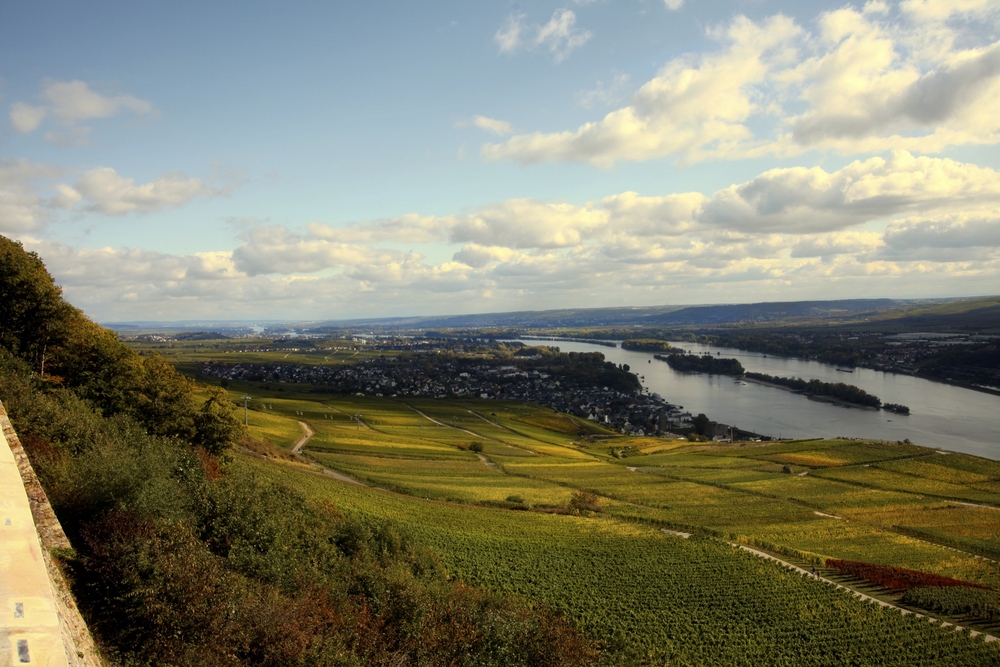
pixel 491 125
pixel 953 237
pixel 67 103
pixel 526 223
pixel 270 250
pixel 810 199
pixel 673 5
pixel 862 94
pixel 695 106
pixel 478 256
pixel 21 207
pixel 560 35
pixel 26 118
pixel 865 80
pixel 919 224
pixel 941 10
pixel 837 243
pixel 103 190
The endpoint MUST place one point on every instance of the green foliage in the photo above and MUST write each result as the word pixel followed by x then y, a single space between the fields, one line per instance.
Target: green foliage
pixel 700 423
pixel 657 599
pixel 60 344
pixel 34 314
pixel 646 345
pixel 584 501
pixel 844 392
pixel 179 563
pixel 957 601
pixel 692 363
pixel 216 427
pixel 165 401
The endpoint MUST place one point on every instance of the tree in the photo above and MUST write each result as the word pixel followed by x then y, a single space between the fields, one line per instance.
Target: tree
pixel 164 404
pixel 216 427
pixel 700 423
pixel 35 315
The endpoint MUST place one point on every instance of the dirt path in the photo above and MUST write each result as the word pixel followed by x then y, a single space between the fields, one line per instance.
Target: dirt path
pixel 476 414
pixel 486 462
pixel 340 477
pixel 306 434
pixel 861 596
pixel 431 419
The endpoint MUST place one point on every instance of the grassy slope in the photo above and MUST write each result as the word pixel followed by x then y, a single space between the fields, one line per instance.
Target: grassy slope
pixel 894 501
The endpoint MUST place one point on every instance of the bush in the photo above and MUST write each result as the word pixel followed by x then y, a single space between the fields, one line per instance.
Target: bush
pixel 585 501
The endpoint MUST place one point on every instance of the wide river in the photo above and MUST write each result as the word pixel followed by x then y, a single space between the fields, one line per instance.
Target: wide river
pixel 941 415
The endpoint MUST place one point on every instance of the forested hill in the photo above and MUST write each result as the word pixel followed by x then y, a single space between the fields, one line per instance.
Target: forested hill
pixel 182 556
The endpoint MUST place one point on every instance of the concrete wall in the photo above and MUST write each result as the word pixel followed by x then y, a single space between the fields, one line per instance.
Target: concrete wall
pixel 39 620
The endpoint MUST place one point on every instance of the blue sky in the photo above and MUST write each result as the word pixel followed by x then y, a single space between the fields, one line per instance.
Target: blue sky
pixel 326 160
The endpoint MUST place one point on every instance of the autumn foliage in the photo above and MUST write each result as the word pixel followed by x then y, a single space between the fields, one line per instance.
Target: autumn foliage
pixel 895 578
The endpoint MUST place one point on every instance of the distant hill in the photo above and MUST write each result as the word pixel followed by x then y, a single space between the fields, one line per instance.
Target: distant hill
pixel 790 312
pixel 769 312
pixel 980 315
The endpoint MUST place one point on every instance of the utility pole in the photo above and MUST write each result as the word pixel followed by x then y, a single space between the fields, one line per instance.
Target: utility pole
pixel 357 418
pixel 246 401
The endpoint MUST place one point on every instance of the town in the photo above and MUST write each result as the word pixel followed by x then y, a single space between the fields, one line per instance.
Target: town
pixel 625 407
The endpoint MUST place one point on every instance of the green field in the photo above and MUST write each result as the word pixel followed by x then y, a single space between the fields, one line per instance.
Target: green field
pixel 654 598
pixel 459 475
pixel 189 355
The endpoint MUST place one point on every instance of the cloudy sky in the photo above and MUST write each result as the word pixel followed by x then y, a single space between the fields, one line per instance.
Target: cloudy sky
pixel 325 160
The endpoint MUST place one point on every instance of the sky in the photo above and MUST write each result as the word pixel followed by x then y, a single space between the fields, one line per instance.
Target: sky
pixel 332 160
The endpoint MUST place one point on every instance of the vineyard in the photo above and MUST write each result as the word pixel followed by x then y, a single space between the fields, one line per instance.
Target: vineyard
pixel 897 578
pixel 655 598
pixel 455 465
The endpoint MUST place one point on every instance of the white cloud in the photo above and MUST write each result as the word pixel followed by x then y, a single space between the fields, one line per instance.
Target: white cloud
pixel 861 94
pixel 673 5
pixel 72 101
pixel 491 125
pixel 837 243
pixel 21 208
pixel 271 250
pixel 604 94
pixel 918 224
pixel 69 102
pixel 103 190
pixel 26 118
pixel 953 237
pixel 864 81
pixel 559 35
pixel 805 200
pixel 695 106
pixel 942 10
pixel 527 223
pixel 478 256
pixel 508 37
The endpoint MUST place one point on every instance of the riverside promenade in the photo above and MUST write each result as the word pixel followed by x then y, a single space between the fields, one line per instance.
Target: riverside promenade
pixel 39 622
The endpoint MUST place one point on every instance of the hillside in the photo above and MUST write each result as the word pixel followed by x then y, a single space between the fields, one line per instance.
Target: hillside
pixel 424 531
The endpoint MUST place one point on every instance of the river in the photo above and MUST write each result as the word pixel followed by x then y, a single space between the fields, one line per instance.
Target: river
pixel 941 415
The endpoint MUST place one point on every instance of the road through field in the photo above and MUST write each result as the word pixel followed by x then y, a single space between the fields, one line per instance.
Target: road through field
pixel 431 419
pixel 306 434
